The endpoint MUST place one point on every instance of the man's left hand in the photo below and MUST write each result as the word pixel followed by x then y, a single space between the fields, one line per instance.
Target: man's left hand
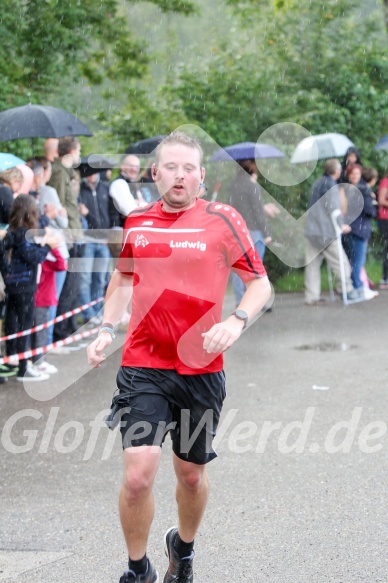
pixel 222 336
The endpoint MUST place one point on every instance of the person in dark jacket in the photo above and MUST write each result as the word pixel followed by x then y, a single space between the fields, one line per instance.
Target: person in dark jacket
pixel 244 196
pixel 351 157
pixel 20 259
pixel 94 202
pixel 356 242
pixel 10 183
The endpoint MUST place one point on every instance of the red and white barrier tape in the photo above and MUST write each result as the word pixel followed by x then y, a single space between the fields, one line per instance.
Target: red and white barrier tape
pixel 51 322
pixel 44 349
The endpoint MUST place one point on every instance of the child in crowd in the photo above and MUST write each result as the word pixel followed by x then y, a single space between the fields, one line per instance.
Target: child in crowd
pixel 19 261
pixel 45 298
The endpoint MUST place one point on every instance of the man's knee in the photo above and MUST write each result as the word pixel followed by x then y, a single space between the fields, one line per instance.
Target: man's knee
pixel 136 484
pixel 190 476
pixel 139 472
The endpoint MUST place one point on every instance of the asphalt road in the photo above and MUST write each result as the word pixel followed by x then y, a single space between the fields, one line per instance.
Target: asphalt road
pixel 298 493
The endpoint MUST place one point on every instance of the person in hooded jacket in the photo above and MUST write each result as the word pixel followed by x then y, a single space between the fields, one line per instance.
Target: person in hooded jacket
pixel 20 258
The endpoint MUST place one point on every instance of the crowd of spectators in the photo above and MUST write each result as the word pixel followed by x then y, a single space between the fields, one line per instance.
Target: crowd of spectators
pixel 348 190
pixel 55 254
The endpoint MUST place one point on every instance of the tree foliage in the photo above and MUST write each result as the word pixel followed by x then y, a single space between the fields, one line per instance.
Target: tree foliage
pixel 45 43
pixel 322 65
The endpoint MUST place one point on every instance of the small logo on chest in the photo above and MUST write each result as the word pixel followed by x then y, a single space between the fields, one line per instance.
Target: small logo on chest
pixel 141 241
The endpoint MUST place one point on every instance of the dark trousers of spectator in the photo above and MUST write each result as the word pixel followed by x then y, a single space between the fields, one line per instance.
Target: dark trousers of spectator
pixel 19 315
pixel 384 229
pixel 68 300
pixel 39 339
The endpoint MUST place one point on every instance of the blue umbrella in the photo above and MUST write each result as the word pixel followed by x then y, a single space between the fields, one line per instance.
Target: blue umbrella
pixel 246 151
pixel 9 161
pixel 382 144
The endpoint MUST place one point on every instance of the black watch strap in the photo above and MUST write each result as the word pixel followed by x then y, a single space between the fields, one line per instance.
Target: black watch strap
pixel 241 315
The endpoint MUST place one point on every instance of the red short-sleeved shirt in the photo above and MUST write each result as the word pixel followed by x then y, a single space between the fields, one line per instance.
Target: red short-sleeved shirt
pixel 181 264
pixel 383 210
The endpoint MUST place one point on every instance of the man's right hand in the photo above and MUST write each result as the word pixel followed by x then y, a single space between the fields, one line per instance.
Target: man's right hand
pixel 346 229
pixel 96 349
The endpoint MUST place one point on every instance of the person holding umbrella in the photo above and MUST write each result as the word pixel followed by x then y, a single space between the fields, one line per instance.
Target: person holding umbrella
pixel 321 236
pixel 51 149
pixel 62 177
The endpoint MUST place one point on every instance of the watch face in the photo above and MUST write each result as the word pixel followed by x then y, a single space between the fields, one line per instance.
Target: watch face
pixel 241 315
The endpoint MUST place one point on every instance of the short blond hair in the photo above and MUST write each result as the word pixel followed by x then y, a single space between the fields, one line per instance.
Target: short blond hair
pixel 11 174
pixel 179 138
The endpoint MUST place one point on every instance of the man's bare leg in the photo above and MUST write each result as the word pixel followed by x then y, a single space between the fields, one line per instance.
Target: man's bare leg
pixel 192 494
pixel 136 501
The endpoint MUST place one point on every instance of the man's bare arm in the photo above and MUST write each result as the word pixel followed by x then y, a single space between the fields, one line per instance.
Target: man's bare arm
pixel 118 296
pixel 257 294
pixel 222 336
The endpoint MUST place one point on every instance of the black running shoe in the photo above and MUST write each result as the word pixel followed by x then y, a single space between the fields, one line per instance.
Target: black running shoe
pixel 179 570
pixel 151 576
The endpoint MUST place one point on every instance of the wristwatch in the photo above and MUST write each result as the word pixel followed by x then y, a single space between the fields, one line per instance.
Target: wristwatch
pixel 241 315
pixel 107 327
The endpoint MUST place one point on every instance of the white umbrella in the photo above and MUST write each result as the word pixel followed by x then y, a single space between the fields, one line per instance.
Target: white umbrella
pixel 321 146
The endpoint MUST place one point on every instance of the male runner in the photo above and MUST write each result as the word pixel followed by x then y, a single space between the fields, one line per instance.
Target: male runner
pixel 175 262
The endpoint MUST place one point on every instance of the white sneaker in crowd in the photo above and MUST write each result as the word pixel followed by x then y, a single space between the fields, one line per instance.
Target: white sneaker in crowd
pixel 60 350
pixel 369 294
pixel 46 368
pixel 33 375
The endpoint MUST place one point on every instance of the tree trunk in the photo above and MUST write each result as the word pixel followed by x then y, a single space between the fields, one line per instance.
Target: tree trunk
pixel 385 8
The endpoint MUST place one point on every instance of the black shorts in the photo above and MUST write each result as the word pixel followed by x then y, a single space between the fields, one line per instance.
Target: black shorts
pixel 152 402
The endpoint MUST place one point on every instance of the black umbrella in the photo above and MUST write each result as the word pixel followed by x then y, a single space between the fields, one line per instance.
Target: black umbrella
pixel 93 164
pixel 145 146
pixel 39 121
